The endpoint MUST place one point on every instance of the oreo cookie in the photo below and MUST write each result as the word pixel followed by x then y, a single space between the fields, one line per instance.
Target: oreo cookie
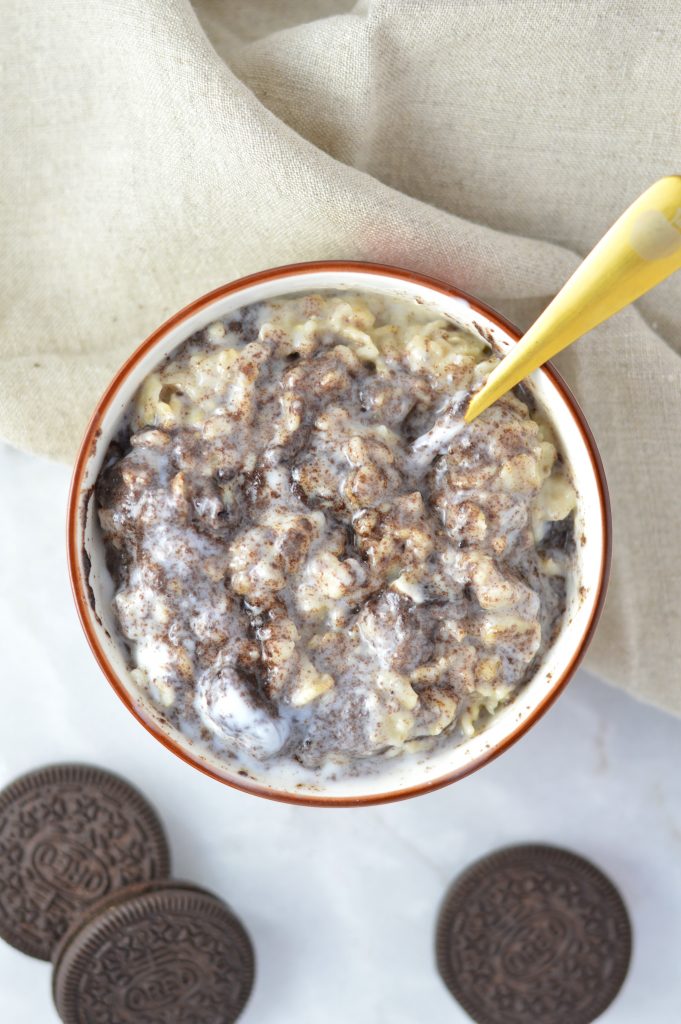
pixel 69 835
pixel 533 935
pixel 166 952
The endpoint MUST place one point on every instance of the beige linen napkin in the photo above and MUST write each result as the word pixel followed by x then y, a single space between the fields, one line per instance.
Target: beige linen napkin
pixel 153 150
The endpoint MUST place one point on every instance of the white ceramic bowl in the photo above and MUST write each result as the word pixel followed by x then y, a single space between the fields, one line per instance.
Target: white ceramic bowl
pixel 407 776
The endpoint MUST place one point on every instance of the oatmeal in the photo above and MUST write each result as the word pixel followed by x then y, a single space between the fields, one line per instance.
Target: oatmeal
pixel 315 558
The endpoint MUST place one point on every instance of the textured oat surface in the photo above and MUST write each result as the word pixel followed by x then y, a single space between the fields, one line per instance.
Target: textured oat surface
pixel 315 557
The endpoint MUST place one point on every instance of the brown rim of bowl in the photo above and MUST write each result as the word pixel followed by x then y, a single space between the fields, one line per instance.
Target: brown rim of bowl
pixel 74 541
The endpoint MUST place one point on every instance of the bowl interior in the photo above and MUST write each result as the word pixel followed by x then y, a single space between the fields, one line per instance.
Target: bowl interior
pixel 402 776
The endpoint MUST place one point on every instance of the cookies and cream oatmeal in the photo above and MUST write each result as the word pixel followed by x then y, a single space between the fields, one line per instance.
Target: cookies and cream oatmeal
pixel 315 559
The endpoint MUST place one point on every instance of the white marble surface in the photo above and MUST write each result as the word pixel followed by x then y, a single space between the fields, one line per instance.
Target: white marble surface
pixel 340 903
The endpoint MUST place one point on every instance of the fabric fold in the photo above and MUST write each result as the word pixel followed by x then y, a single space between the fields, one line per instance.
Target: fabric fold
pixel 154 151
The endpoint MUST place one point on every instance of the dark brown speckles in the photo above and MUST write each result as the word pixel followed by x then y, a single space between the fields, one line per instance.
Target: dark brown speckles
pixel 84 506
pixel 284 481
pixel 86 562
pixel 485 333
pixel 87 567
pixel 95 441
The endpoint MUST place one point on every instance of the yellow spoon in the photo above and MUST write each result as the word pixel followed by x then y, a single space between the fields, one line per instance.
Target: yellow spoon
pixel 641 249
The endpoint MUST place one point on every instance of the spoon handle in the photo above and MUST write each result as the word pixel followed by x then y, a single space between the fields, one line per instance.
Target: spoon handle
pixel 641 249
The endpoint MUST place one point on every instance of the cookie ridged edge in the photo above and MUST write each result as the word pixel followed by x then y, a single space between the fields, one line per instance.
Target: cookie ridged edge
pixel 119 910
pixel 87 774
pixel 527 853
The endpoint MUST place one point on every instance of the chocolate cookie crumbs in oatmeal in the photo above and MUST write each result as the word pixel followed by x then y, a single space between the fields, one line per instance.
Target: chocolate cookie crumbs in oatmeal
pixel 315 559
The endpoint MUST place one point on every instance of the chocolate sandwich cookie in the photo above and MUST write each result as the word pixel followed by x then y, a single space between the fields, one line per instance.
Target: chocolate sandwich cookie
pixel 533 935
pixel 70 834
pixel 161 953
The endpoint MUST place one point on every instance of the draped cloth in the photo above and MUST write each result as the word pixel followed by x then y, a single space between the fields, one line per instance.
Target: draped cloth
pixel 153 151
